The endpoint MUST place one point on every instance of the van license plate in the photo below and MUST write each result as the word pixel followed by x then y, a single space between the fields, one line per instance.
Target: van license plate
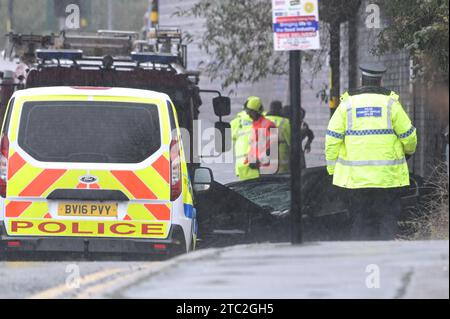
pixel 87 209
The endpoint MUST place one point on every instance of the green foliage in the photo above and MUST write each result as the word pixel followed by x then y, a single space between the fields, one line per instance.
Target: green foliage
pixel 421 27
pixel 239 40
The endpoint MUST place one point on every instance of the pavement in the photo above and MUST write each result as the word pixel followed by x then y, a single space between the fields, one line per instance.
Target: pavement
pixel 62 279
pixel 386 270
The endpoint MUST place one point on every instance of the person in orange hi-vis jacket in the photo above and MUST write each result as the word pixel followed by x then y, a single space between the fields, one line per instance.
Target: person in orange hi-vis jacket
pixel 262 141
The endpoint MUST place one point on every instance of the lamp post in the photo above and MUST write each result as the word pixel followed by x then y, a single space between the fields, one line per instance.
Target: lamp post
pixel 336 12
pixel 154 16
pixel 10 17
pixel 110 14
pixel 295 59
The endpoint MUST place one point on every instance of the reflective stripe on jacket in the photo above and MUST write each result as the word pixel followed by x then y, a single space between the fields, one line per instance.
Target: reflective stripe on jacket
pixel 366 142
pixel 260 142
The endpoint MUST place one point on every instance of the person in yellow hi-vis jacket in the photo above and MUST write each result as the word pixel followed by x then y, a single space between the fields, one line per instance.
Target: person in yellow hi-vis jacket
pixel 241 130
pixel 283 124
pixel 257 151
pixel 367 142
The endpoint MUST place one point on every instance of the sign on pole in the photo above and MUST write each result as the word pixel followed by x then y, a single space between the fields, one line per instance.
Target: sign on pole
pixel 296 29
pixel 296 25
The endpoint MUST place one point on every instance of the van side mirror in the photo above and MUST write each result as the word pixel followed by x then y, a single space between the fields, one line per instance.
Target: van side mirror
pixel 223 142
pixel 203 179
pixel 222 106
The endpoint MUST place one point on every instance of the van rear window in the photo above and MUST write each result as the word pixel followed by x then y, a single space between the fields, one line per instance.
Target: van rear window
pixel 89 132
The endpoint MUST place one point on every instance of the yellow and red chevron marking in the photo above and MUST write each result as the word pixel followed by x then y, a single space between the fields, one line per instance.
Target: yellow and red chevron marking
pixel 162 166
pixel 82 186
pixel 15 209
pixel 26 209
pixel 149 183
pixel 42 182
pixel 134 185
pixel 15 163
pixel 25 180
pixel 160 212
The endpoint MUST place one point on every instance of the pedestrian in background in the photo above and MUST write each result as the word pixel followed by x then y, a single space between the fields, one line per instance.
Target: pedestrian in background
pixel 305 133
pixel 283 125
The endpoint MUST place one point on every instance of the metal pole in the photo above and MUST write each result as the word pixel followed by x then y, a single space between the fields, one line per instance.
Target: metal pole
pixel 335 64
pixel 352 51
pixel 110 15
pixel 296 148
pixel 154 17
pixel 10 17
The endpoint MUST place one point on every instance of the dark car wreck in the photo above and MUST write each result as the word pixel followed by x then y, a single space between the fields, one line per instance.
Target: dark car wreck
pixel 257 210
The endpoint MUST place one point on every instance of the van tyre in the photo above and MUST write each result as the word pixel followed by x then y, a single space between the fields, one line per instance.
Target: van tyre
pixel 179 244
pixel 192 246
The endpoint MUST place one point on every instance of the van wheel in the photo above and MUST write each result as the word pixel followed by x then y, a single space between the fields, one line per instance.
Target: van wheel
pixel 192 246
pixel 194 230
pixel 179 245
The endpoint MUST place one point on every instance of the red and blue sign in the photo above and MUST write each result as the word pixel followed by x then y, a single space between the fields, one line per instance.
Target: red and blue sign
pixel 296 24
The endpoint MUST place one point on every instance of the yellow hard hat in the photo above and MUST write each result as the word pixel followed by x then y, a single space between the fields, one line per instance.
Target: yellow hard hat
pixel 254 103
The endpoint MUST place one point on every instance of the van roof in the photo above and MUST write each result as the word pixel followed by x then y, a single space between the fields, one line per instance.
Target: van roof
pixel 91 91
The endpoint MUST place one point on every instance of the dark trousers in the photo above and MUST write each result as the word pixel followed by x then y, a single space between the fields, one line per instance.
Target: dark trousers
pixel 374 212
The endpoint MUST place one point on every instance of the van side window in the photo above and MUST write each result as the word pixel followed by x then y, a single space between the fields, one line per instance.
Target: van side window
pixel 8 116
